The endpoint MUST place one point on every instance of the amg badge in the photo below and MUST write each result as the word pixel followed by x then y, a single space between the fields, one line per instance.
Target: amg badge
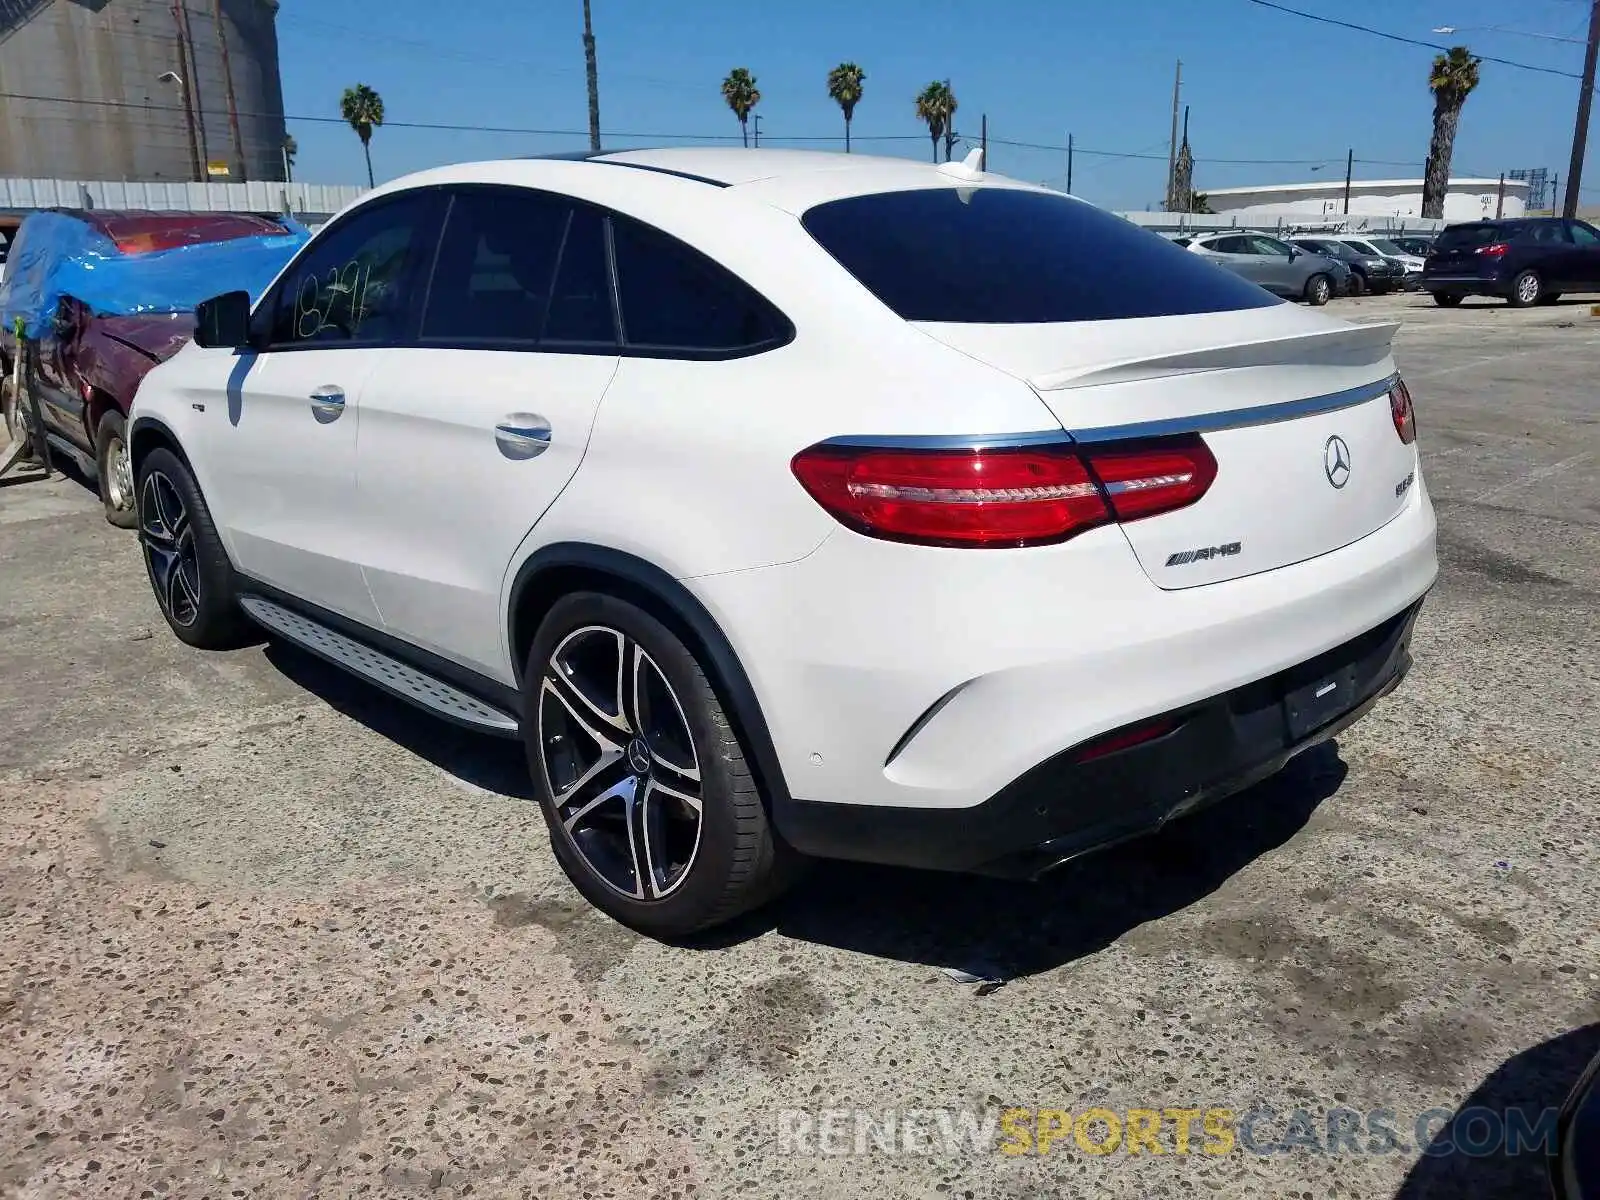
pixel 1204 554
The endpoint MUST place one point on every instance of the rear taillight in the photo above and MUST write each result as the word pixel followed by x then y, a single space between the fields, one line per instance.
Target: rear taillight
pixel 1143 481
pixel 1497 250
pixel 1003 496
pixel 1405 417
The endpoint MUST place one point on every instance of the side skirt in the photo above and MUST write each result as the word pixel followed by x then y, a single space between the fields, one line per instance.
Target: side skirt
pixel 435 685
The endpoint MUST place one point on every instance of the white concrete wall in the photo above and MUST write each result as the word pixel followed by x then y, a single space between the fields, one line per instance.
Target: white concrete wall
pixel 1471 202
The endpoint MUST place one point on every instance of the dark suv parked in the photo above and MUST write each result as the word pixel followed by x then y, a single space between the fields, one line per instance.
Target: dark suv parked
pixel 1528 261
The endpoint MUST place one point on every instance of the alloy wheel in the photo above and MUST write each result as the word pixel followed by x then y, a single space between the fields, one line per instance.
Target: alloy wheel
pixel 620 764
pixel 1528 289
pixel 119 476
pixel 1319 290
pixel 169 550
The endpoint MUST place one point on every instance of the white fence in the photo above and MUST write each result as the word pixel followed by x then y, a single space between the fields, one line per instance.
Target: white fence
pixel 315 200
pixel 1286 225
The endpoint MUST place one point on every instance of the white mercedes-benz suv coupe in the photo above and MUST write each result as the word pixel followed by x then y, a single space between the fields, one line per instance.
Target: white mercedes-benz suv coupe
pixel 794 504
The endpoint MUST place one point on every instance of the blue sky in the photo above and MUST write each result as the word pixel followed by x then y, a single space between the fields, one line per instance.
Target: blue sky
pixel 1262 85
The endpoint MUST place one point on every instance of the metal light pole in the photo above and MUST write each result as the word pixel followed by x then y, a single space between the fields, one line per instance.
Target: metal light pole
pixel 188 113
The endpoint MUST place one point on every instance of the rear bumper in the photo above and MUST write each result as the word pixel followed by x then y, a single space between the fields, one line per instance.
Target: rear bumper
pixel 1065 807
pixel 1466 285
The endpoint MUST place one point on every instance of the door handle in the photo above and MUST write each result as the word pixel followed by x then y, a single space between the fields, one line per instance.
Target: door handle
pixel 327 403
pixel 522 435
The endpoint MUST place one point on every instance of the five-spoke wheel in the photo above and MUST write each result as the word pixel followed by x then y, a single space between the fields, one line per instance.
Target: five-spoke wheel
pixel 169 553
pixel 654 813
pixel 620 763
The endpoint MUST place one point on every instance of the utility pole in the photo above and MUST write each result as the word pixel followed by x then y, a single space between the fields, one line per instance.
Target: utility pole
pixel 1555 190
pixel 1500 200
pixel 1349 166
pixel 1069 164
pixel 594 80
pixel 1172 151
pixel 984 139
pixel 755 119
pixel 1580 133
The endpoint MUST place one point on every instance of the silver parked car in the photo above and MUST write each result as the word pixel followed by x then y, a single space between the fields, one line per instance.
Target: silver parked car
pixel 1277 266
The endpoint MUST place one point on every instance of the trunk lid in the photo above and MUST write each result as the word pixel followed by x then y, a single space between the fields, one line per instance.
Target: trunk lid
pixel 1293 406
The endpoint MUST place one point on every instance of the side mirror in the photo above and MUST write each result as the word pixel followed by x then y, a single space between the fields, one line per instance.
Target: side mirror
pixel 223 321
pixel 1294 253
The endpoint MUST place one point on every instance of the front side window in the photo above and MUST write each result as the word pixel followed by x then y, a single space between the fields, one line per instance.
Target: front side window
pixel 356 284
pixel 1584 235
pixel 491 281
pixel 674 298
pixel 997 255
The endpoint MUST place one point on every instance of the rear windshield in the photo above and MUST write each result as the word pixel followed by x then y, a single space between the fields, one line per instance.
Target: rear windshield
pixel 1003 256
pixel 1462 237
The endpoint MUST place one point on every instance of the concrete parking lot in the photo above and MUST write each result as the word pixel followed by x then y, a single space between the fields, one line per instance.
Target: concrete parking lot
pixel 268 933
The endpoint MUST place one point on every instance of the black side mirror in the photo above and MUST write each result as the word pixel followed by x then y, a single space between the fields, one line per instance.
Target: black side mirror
pixel 223 321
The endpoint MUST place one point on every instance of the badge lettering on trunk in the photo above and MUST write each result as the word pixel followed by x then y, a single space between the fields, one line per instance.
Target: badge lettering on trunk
pixel 1204 554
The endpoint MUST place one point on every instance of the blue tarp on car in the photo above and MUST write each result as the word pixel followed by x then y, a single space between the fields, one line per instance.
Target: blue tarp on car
pixel 56 255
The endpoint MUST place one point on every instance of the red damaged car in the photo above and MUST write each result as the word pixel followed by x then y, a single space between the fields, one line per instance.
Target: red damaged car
pixel 90 361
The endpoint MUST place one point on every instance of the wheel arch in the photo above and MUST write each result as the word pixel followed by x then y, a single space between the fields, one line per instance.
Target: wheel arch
pixel 562 568
pixel 150 433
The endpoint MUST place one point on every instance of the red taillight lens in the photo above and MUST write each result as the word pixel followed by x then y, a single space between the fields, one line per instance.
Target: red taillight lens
pixel 1005 496
pixel 1405 417
pixel 1012 496
pixel 1497 250
pixel 1125 739
pixel 1143 481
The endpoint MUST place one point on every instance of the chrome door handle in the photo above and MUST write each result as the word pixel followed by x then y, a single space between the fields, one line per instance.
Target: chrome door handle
pixel 327 403
pixel 522 435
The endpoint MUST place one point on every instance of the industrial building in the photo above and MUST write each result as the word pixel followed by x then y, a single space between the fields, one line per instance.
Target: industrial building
pixel 141 90
pixel 1465 199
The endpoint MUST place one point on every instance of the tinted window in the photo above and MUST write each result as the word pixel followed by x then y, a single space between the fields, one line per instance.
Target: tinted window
pixel 1549 233
pixel 354 285
pixel 1467 237
pixel 1006 256
pixel 580 303
pixel 1387 247
pixel 1584 235
pixel 676 298
pixel 1228 245
pixel 491 282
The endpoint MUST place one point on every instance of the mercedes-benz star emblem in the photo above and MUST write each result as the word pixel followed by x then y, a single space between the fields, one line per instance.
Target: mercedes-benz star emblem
pixel 1336 461
pixel 638 757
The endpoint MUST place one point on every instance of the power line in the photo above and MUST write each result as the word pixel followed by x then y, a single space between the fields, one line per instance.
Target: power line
pixel 1395 37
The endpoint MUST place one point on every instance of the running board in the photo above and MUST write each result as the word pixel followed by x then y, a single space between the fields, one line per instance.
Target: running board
pixel 389 673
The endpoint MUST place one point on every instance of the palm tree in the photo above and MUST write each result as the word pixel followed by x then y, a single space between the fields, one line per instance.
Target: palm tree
pixel 936 104
pixel 844 86
pixel 594 80
pixel 1451 81
pixel 363 108
pixel 739 90
pixel 291 150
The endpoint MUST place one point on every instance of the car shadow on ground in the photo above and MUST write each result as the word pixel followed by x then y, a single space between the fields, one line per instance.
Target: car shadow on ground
pixel 1536 1082
pixel 497 764
pixel 1000 927
pixel 1008 929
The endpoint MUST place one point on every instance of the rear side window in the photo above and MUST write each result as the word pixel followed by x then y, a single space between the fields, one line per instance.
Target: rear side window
pixel 1004 256
pixel 676 299
pixel 1470 237
pixel 491 283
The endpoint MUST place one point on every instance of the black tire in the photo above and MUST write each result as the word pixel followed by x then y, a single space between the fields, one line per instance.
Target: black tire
pixel 1526 289
pixel 1550 298
pixel 734 862
pixel 1358 283
pixel 185 559
pixel 1319 289
pixel 114 471
pixel 1447 299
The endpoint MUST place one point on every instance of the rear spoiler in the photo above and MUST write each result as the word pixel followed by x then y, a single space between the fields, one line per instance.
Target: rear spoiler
pixel 1355 345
